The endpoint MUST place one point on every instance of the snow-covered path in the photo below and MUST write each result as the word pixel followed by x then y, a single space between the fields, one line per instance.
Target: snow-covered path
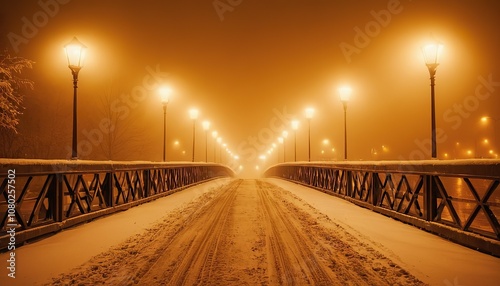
pixel 431 259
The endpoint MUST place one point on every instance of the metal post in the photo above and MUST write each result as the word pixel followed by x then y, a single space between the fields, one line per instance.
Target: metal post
pixel 74 152
pixel 206 146
pixel 295 151
pixel 194 140
pixel 430 198
pixel 432 72
pixel 345 130
pixel 215 152
pixel 309 140
pixel 284 153
pixel 164 132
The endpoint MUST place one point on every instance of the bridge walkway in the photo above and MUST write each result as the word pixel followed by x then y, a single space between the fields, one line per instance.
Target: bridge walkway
pixel 430 258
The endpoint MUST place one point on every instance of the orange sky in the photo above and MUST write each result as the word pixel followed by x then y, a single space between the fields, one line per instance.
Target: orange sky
pixel 240 64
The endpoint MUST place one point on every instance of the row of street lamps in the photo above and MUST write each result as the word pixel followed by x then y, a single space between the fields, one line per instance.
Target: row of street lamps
pixel 75 52
pixel 344 94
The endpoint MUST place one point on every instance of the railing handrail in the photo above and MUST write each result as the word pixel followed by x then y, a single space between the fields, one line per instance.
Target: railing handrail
pixel 483 168
pixel 456 199
pixel 54 166
pixel 43 196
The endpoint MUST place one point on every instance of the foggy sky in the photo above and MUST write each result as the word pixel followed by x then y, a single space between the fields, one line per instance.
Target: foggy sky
pixel 243 62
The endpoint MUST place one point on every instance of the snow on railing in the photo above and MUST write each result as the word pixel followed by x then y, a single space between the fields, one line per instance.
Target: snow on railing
pixel 44 196
pixel 456 199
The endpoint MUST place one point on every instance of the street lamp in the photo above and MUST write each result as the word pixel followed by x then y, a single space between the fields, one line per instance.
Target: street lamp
pixel 280 140
pixel 164 95
pixel 214 135
pixel 75 53
pixel 284 134
pixel 206 126
pixel 219 141
pixel 345 95
pixel 309 114
pixel 431 54
pixel 193 114
pixel 295 126
pixel 485 120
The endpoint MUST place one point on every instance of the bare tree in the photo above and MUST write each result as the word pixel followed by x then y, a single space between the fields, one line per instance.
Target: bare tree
pixel 11 83
pixel 123 137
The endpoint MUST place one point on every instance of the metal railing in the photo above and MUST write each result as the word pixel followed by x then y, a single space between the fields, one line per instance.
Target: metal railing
pixel 458 200
pixel 44 196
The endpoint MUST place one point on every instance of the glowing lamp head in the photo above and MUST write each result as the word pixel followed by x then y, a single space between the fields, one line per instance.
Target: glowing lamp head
pixel 165 92
pixel 432 53
pixel 75 52
pixel 206 125
pixel 295 124
pixel 280 140
pixel 214 134
pixel 309 112
pixel 345 94
pixel 193 113
pixel 284 134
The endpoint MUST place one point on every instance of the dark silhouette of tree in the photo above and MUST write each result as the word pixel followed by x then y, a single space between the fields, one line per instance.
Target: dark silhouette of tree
pixel 123 137
pixel 11 85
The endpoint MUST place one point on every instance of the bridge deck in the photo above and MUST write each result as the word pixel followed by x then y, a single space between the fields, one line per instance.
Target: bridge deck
pixel 428 257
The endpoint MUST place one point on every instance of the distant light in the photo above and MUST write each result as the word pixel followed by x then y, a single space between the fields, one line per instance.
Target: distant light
pixel 165 92
pixel 432 53
pixel 193 113
pixel 75 52
pixel 284 134
pixel 326 141
pixel 309 112
pixel 206 125
pixel 214 134
pixel 280 140
pixel 345 93
pixel 295 124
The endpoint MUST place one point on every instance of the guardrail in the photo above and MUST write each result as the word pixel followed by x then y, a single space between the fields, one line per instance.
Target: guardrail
pixel 456 199
pixel 44 196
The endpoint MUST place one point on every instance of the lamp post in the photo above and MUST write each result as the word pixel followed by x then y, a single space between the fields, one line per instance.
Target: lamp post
pixel 309 115
pixel 206 126
pixel 485 120
pixel 345 95
pixel 214 135
pixel 295 126
pixel 75 53
pixel 280 140
pixel 193 114
pixel 284 134
pixel 431 54
pixel 219 141
pixel 164 95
